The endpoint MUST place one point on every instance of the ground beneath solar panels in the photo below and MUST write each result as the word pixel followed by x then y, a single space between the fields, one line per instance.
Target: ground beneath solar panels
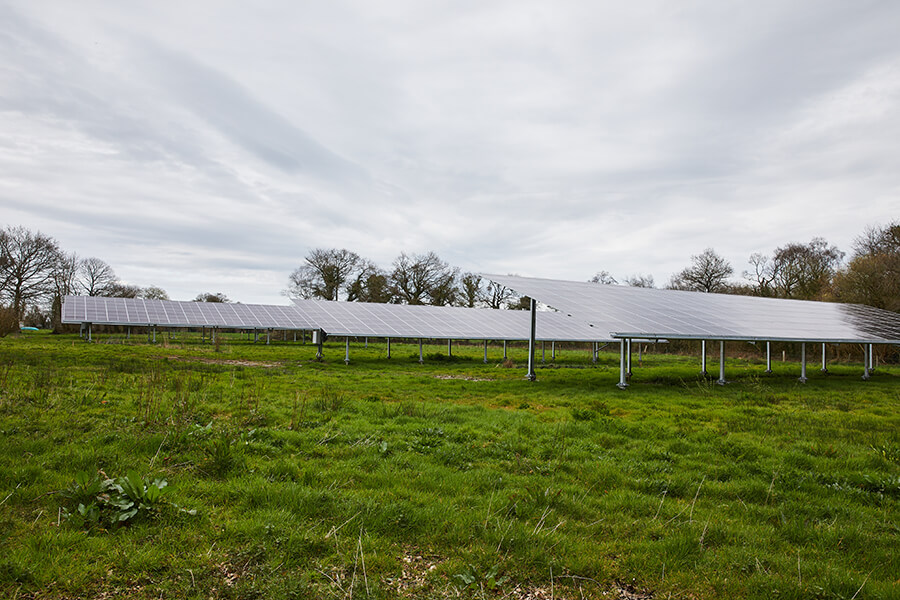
pixel 462 378
pixel 221 361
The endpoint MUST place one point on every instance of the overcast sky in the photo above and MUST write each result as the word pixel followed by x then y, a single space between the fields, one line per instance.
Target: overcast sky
pixel 208 146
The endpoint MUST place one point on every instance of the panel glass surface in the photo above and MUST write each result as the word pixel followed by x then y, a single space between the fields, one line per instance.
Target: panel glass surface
pixel 335 318
pixel 170 313
pixel 442 322
pixel 622 311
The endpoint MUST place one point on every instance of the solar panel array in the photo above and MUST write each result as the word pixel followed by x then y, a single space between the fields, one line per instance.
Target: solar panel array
pixel 170 313
pixel 441 322
pixel 629 312
pixel 335 318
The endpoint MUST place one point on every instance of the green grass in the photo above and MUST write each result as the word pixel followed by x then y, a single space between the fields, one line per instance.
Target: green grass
pixel 386 478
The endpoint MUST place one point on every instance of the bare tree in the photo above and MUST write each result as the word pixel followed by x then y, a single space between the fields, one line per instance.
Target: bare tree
pixel 497 296
pixel 802 271
pixel 873 274
pixel 122 290
pixel 154 293
pixel 708 272
pixel 324 275
pixel 96 277
pixel 878 240
pixel 424 279
pixel 470 290
pixel 640 280
pixel 211 297
pixel 27 264
pixel 65 278
pixel 761 277
pixel 371 284
pixel 604 277
pixel 445 291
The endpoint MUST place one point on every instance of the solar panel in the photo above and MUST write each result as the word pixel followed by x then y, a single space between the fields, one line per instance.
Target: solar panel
pixel 630 312
pixel 360 319
pixel 170 313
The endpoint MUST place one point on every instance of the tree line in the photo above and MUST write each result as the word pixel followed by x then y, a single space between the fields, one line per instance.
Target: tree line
pixel 340 274
pixel 807 271
pixel 36 273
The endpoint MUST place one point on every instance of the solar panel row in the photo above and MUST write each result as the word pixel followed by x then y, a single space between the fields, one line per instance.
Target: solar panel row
pixel 335 318
pixel 441 322
pixel 628 312
pixel 168 313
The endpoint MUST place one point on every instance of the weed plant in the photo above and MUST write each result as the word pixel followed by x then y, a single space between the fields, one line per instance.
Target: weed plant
pixel 385 478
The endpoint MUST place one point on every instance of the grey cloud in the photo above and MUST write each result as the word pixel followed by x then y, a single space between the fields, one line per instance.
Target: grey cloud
pixel 591 136
pixel 238 115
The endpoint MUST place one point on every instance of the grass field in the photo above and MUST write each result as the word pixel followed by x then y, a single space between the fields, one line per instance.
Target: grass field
pixel 292 478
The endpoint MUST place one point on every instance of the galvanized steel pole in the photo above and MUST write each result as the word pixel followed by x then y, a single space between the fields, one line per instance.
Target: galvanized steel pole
pixel 531 374
pixel 802 362
pixel 721 380
pixel 622 373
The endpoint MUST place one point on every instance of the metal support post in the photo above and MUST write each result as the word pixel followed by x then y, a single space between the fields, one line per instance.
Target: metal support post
pixel 703 357
pixel 89 328
pixel 318 335
pixel 367 343
pixel 421 360
pixel 504 349
pixel 268 335
pixel 824 358
pixel 485 351
pixel 867 350
pixel 347 350
pixel 449 347
pixel 531 375
pixel 389 347
pixel 154 334
pixel 594 352
pixel 871 358
pixel 721 380
pixel 553 351
pixel 295 335
pixel 623 383
pixel 768 357
pixel 629 357
pixel 543 353
pixel 802 362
